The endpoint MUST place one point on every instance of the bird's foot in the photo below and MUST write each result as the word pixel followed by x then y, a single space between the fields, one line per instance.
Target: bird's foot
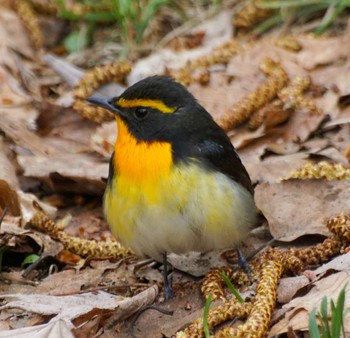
pixel 244 265
pixel 167 278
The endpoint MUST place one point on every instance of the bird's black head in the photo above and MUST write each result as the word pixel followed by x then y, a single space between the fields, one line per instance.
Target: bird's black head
pixel 159 88
pixel 154 109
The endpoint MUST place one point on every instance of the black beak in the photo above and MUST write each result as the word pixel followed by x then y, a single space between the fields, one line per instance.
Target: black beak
pixel 103 102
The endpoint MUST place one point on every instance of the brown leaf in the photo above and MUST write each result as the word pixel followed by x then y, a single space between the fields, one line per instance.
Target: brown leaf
pixel 8 184
pixel 11 226
pixel 14 123
pixel 225 90
pixel 300 125
pixel 13 37
pixel 67 172
pixel 243 138
pixel 154 324
pixel 55 329
pixel 274 168
pixel 9 199
pixel 101 273
pixel 275 117
pixel 295 208
pixel 69 281
pixel 318 52
pixel 27 206
pixel 340 263
pixel 74 306
pixel 102 141
pixel 64 129
pixel 7 169
pixel 217 30
pixel 289 286
pixel 68 257
pixel 300 307
pixel 334 77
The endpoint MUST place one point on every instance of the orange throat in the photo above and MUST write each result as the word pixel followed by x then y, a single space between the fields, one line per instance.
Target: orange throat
pixel 140 161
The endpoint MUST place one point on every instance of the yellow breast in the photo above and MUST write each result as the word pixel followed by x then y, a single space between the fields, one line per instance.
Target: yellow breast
pixel 138 168
pixel 188 210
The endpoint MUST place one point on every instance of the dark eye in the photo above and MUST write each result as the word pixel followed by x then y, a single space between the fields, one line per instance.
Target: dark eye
pixel 141 112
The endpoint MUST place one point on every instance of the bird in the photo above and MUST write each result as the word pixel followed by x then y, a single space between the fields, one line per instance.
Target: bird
pixel 176 183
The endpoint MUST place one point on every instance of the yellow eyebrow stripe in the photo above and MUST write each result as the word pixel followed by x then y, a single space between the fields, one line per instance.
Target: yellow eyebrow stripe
pixel 155 104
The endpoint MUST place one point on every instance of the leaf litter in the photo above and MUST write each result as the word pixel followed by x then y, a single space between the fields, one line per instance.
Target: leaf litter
pixel 48 150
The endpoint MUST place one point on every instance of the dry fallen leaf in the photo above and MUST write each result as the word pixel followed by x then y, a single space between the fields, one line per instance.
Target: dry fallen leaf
pixel 289 286
pixel 53 329
pixel 217 31
pixel 64 129
pixel 15 123
pixel 101 273
pixel 273 168
pixel 300 307
pixel 102 141
pixel 7 170
pixel 85 176
pixel 9 199
pixel 11 227
pixel 67 308
pixel 28 210
pixel 13 39
pixel 8 184
pixel 340 263
pixel 295 208
pixel 318 52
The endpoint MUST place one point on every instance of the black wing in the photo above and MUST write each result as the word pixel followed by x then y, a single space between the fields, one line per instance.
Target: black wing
pixel 208 143
pixel 217 152
pixel 201 138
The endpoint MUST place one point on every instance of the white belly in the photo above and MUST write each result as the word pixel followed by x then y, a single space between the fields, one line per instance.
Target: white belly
pixel 190 210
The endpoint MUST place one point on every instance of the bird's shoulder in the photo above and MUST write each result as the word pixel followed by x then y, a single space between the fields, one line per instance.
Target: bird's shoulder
pixel 212 147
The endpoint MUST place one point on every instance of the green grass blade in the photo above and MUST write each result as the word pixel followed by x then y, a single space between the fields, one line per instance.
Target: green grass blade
pixel 337 314
pixel 115 10
pixel 292 3
pixel 330 17
pixel 61 4
pixel 324 318
pixel 205 316
pixel 313 328
pixel 231 287
pixel 309 10
pixel 149 12
pixel 64 13
pixel 322 315
pixel 125 8
pixel 302 9
pixel 99 17
pixel 269 23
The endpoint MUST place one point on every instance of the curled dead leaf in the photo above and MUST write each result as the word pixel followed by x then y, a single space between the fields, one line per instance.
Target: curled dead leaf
pixel 8 184
pixel 9 199
pixel 300 307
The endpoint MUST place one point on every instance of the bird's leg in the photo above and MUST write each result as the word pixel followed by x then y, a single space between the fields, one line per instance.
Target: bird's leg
pixel 242 262
pixel 168 288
